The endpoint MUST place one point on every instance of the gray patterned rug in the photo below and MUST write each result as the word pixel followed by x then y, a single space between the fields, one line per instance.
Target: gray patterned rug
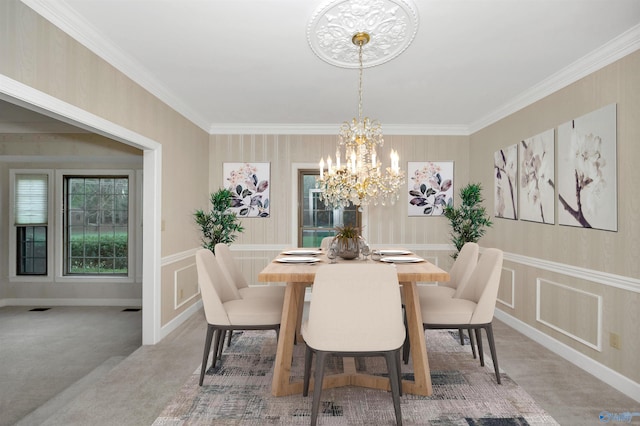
pixel 238 391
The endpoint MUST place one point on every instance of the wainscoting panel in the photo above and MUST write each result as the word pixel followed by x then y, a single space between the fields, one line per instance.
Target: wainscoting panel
pixel 185 284
pixel 572 312
pixel 507 290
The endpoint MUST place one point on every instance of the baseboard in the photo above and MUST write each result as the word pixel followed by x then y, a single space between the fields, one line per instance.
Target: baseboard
pixel 602 372
pixel 70 302
pixel 166 329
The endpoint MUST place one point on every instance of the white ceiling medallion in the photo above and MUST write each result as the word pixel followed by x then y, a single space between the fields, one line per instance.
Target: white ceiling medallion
pixel 392 25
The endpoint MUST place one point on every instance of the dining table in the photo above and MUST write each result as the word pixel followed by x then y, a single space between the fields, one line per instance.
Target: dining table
pixel 299 276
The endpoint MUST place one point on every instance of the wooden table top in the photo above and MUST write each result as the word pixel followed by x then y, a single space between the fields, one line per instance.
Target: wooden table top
pixel 306 272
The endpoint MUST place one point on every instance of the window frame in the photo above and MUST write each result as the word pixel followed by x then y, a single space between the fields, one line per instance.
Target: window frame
pixel 55 213
pixel 60 223
pixel 13 232
pixel 66 225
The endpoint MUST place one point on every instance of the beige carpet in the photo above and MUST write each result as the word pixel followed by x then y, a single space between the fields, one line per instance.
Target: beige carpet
pixel 237 392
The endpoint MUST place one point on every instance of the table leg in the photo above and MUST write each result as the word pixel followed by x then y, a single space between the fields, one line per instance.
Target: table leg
pixel 281 385
pixel 420 361
pixel 300 314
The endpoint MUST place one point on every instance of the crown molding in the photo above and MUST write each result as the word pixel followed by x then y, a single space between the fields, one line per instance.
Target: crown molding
pixel 619 47
pixel 64 17
pixel 332 129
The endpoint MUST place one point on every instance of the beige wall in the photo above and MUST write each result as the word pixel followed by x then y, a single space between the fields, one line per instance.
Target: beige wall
pixel 387 225
pixel 563 271
pixel 39 55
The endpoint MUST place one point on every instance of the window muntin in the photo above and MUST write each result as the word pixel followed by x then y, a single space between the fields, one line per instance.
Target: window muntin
pixel 96 231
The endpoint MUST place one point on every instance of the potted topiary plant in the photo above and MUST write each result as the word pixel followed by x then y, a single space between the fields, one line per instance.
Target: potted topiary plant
pixel 219 225
pixel 468 222
pixel 347 242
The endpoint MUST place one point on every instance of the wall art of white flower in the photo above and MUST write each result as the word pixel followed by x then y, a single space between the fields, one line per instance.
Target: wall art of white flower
pixel 505 172
pixel 249 184
pixel 587 188
pixel 536 191
pixel 430 187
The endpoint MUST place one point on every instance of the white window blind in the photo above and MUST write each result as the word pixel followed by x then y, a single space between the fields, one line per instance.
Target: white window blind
pixel 31 193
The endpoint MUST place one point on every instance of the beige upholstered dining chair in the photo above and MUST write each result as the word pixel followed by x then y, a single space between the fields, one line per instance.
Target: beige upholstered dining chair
pixel 459 274
pixel 226 310
pixel 231 269
pixel 355 311
pixel 458 277
pixel 474 309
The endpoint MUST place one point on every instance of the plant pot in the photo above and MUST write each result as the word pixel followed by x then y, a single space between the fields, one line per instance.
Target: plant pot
pixel 347 248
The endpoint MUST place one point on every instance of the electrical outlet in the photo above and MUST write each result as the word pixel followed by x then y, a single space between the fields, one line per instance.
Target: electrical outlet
pixel 614 340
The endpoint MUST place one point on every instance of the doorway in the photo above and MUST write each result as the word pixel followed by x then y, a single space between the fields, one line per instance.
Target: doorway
pixel 27 97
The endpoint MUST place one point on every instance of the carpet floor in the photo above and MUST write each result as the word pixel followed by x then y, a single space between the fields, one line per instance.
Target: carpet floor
pixel 238 391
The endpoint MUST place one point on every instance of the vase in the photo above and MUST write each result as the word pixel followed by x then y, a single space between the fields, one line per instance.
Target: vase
pixel 347 248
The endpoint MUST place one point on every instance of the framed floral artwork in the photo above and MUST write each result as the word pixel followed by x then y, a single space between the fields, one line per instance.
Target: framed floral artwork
pixel 536 191
pixel 249 184
pixel 587 187
pixel 430 187
pixel 505 197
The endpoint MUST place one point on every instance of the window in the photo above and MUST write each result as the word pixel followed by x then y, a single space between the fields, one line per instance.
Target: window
pixel 315 219
pixel 30 219
pixel 96 225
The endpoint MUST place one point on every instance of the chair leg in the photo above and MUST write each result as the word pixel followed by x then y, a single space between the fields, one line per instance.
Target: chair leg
pixel 207 348
pixel 461 334
pixel 492 348
pixel 398 363
pixel 392 358
pixel 229 338
pixel 308 356
pixel 406 348
pixel 317 385
pixel 472 342
pixel 480 350
pixel 407 344
pixel 217 346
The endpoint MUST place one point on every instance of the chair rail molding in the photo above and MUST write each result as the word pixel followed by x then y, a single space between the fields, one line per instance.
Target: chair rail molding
pixel 604 278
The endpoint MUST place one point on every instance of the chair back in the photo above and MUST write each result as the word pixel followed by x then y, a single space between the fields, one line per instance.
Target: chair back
pixel 355 308
pixel 326 242
pixel 214 288
pixel 229 266
pixel 482 287
pixel 463 267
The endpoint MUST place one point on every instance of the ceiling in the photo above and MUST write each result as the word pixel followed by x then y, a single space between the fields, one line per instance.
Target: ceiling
pixel 246 66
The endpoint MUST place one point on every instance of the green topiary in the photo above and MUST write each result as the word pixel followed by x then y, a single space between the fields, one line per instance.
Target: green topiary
pixel 468 222
pixel 219 225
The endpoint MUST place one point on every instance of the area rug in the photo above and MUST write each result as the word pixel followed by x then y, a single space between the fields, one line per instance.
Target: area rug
pixel 238 391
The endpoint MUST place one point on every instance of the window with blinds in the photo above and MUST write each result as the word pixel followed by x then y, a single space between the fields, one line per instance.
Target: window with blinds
pixel 31 218
pixel 31 194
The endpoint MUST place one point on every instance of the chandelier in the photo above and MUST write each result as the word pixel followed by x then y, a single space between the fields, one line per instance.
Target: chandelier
pixel 358 179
